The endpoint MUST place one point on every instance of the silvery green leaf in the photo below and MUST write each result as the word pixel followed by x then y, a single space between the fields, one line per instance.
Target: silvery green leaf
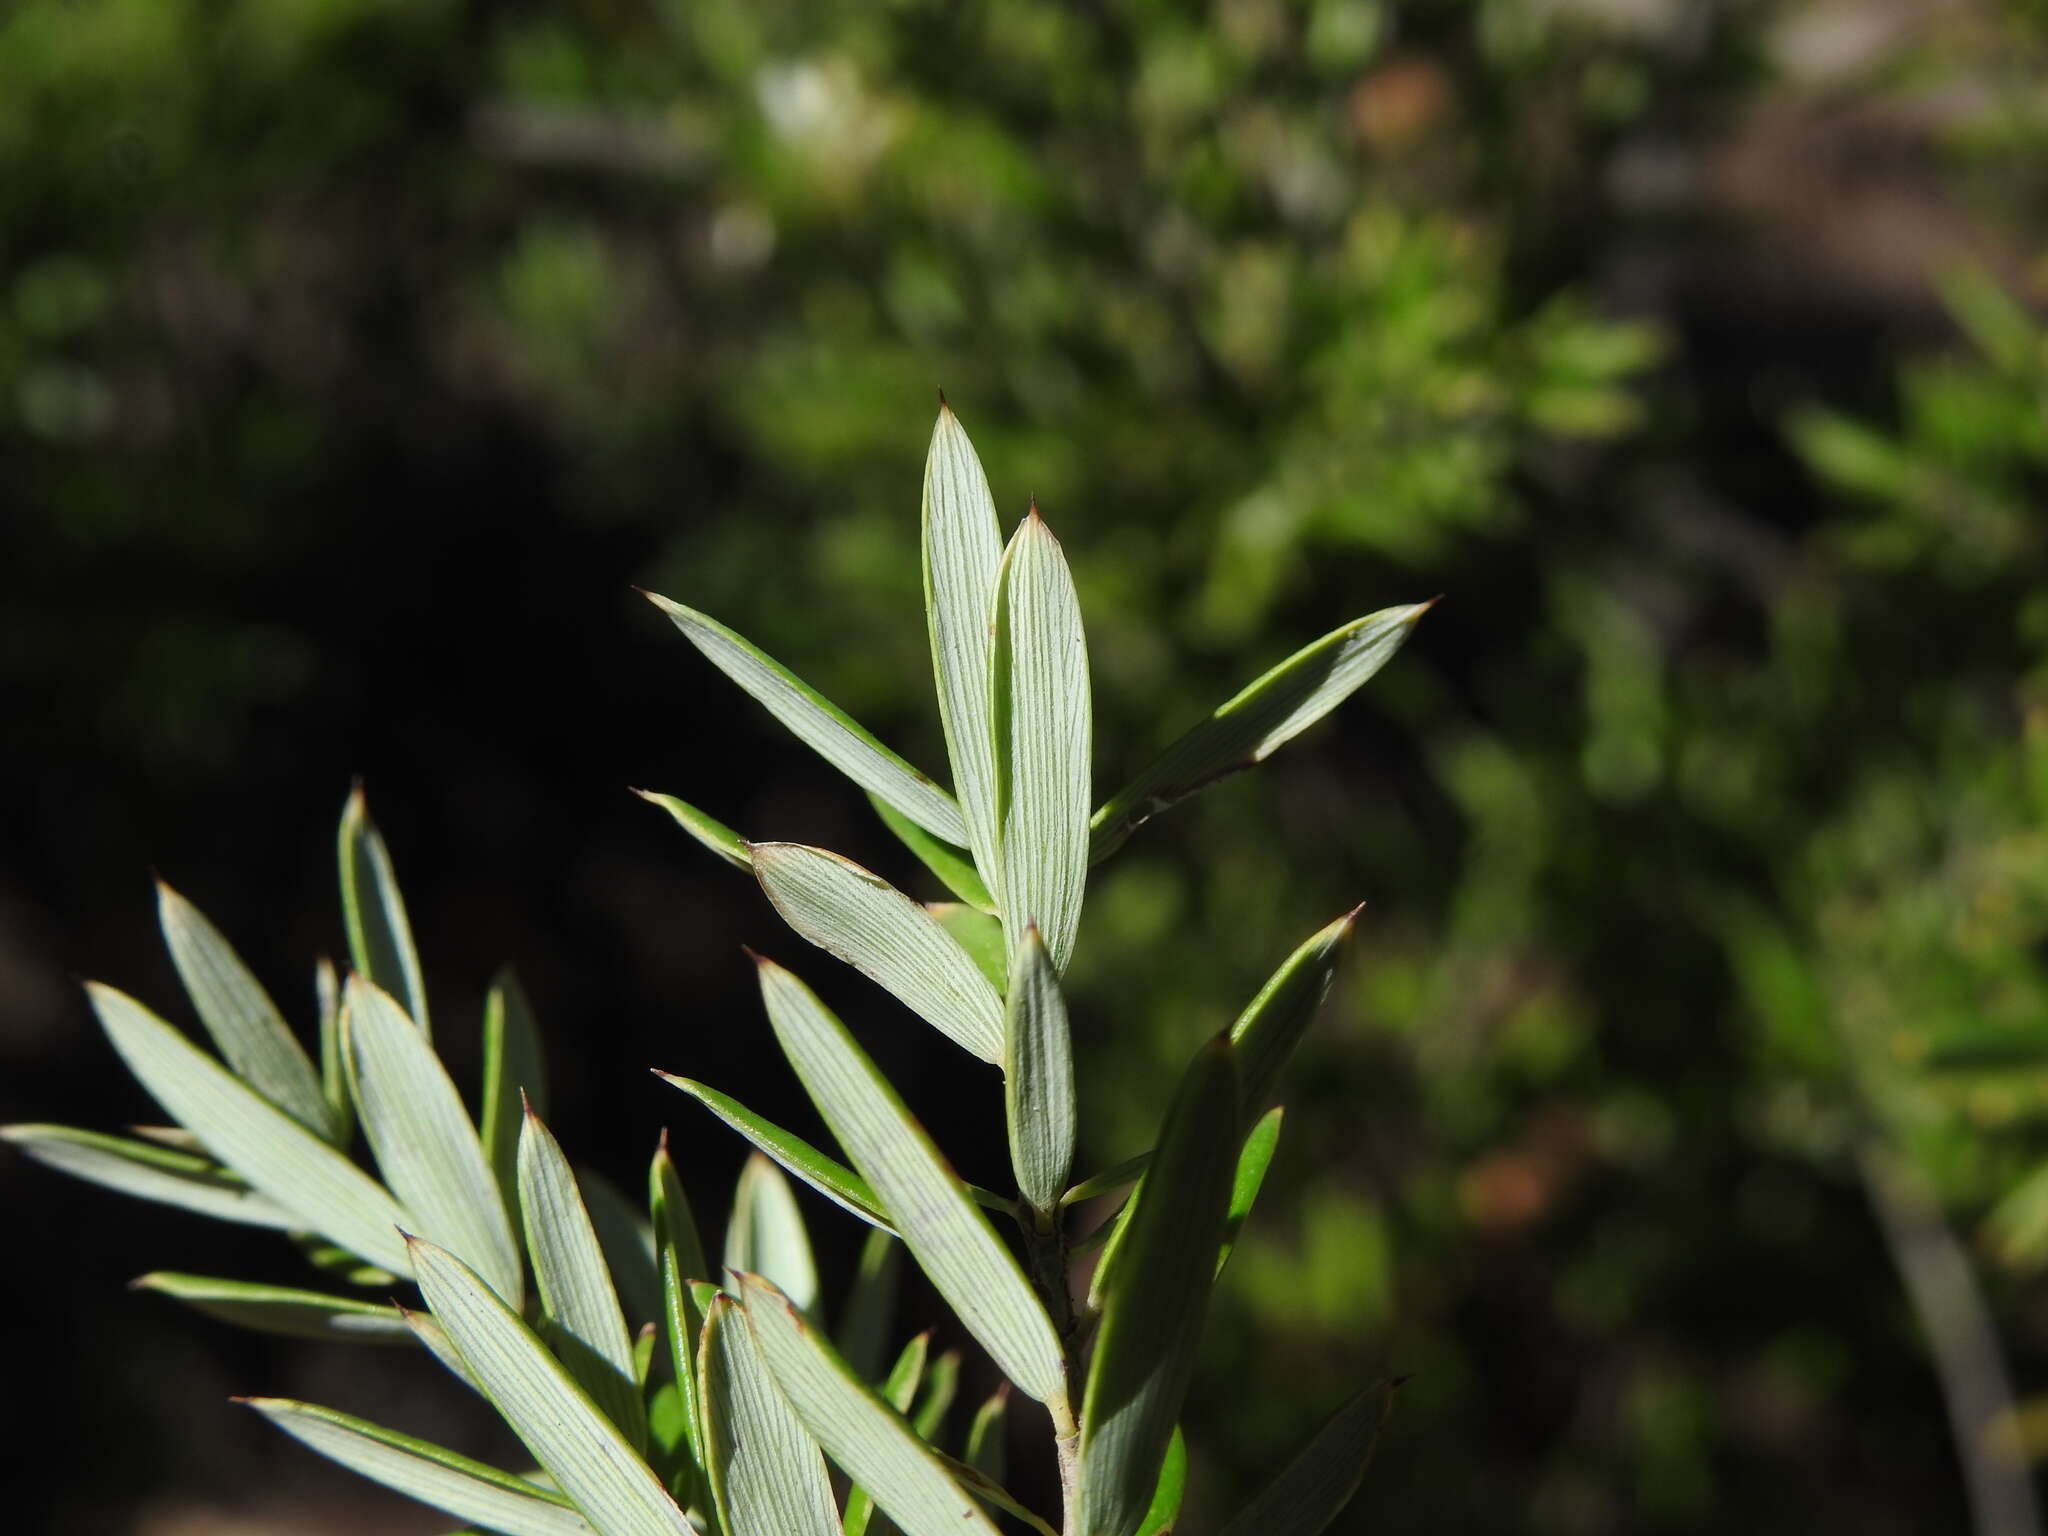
pixel 581 1449
pixel 953 866
pixel 1317 1484
pixel 278 1156
pixel 1153 1304
pixel 938 1221
pixel 277 1309
pixel 1253 1159
pixel 767 1473
pixel 827 1175
pixel 426 1148
pixel 150 1172
pixel 379 933
pixel 341 1109
pixel 858 916
pixel 980 935
pixel 1273 1023
pixel 1248 728
pixel 627 1238
pixel 675 1224
pixel 1042 723
pixel 708 830
pixel 449 1482
pixel 239 1015
pixel 513 1076
pixel 869 1439
pixel 820 724
pixel 899 1391
pixel 871 1305
pixel 434 1339
pixel 585 1323
pixel 1038 1077
pixel 963 548
pixel 766 1233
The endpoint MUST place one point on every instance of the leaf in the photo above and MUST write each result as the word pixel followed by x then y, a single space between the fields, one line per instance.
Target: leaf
pixel 820 724
pixel 581 1449
pixel 239 1015
pixel 767 1473
pixel 449 1482
pixel 899 1391
pixel 514 1080
pixel 683 1324
pixel 708 830
pixel 1038 1080
pixel 275 1309
pixel 872 1303
pixel 1248 728
pixel 980 935
pixel 434 1339
pixel 954 867
pixel 987 1437
pixel 628 1243
pixel 585 1323
pixel 827 1175
pixel 1153 1305
pixel 949 1238
pixel 426 1148
pixel 1272 1024
pixel 341 1108
pixel 1042 723
pixel 1171 1488
pixel 379 934
pixel 766 1233
pixel 1253 1159
pixel 963 549
pixel 941 1385
pixel 1317 1484
pixel 865 921
pixel 259 1141
pixel 863 1434
pixel 675 1224
pixel 150 1172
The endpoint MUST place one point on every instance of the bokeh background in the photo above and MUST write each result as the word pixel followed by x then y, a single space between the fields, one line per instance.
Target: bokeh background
pixel 1672 1123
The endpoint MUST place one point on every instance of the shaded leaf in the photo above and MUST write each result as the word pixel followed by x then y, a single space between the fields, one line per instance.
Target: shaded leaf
pixel 953 865
pixel 766 1234
pixel 827 1175
pixel 277 1309
pixel 820 724
pixel 628 1243
pixel 987 1436
pixel 150 1172
pixel 1272 1024
pixel 939 1223
pixel 514 1080
pixel 379 933
pixel 980 935
pixel 1317 1484
pixel 708 830
pixel 341 1108
pixel 899 1391
pixel 864 1330
pixel 1248 728
pixel 1038 1077
pixel 865 921
pixel 767 1473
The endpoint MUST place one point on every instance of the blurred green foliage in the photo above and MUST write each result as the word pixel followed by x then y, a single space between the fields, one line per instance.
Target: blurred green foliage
pixel 1701 824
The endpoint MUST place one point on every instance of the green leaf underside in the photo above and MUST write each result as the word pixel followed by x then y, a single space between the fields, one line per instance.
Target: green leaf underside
pixel 1272 1024
pixel 880 1452
pixel 1171 1488
pixel 278 1156
pixel 706 829
pixel 939 1223
pixel 963 549
pixel 1314 1488
pixel 870 1307
pixel 827 1175
pixel 766 1234
pixel 820 724
pixel 426 1148
pixel 513 1076
pixel 379 933
pixel 1042 723
pixel 980 935
pixel 859 917
pixel 1038 1084
pixel 953 867
pixel 444 1479
pixel 585 1323
pixel 280 1310
pixel 1152 1307
pixel 580 1448
pixel 1253 1159
pixel 150 1172
pixel 767 1473
pixel 1260 719
pixel 899 1390
pixel 240 1016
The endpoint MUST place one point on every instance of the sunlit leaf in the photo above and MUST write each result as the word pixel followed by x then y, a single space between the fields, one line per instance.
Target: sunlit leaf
pixel 427 1150
pixel 1038 1077
pixel 150 1172
pixel 1314 1488
pixel 767 1473
pixel 379 933
pixel 819 724
pixel 1164 1509
pixel 708 830
pixel 1042 723
pixel 865 921
pixel 899 1391
pixel 675 1223
pixel 1153 1305
pixel 827 1175
pixel 1253 1159
pixel 766 1234
pixel 449 1482
pixel 280 1310
pixel 938 1221
pixel 953 866
pixel 1272 1024
pixel 1248 728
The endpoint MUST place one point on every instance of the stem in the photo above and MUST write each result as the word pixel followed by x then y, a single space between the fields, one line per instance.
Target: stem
pixel 1045 1245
